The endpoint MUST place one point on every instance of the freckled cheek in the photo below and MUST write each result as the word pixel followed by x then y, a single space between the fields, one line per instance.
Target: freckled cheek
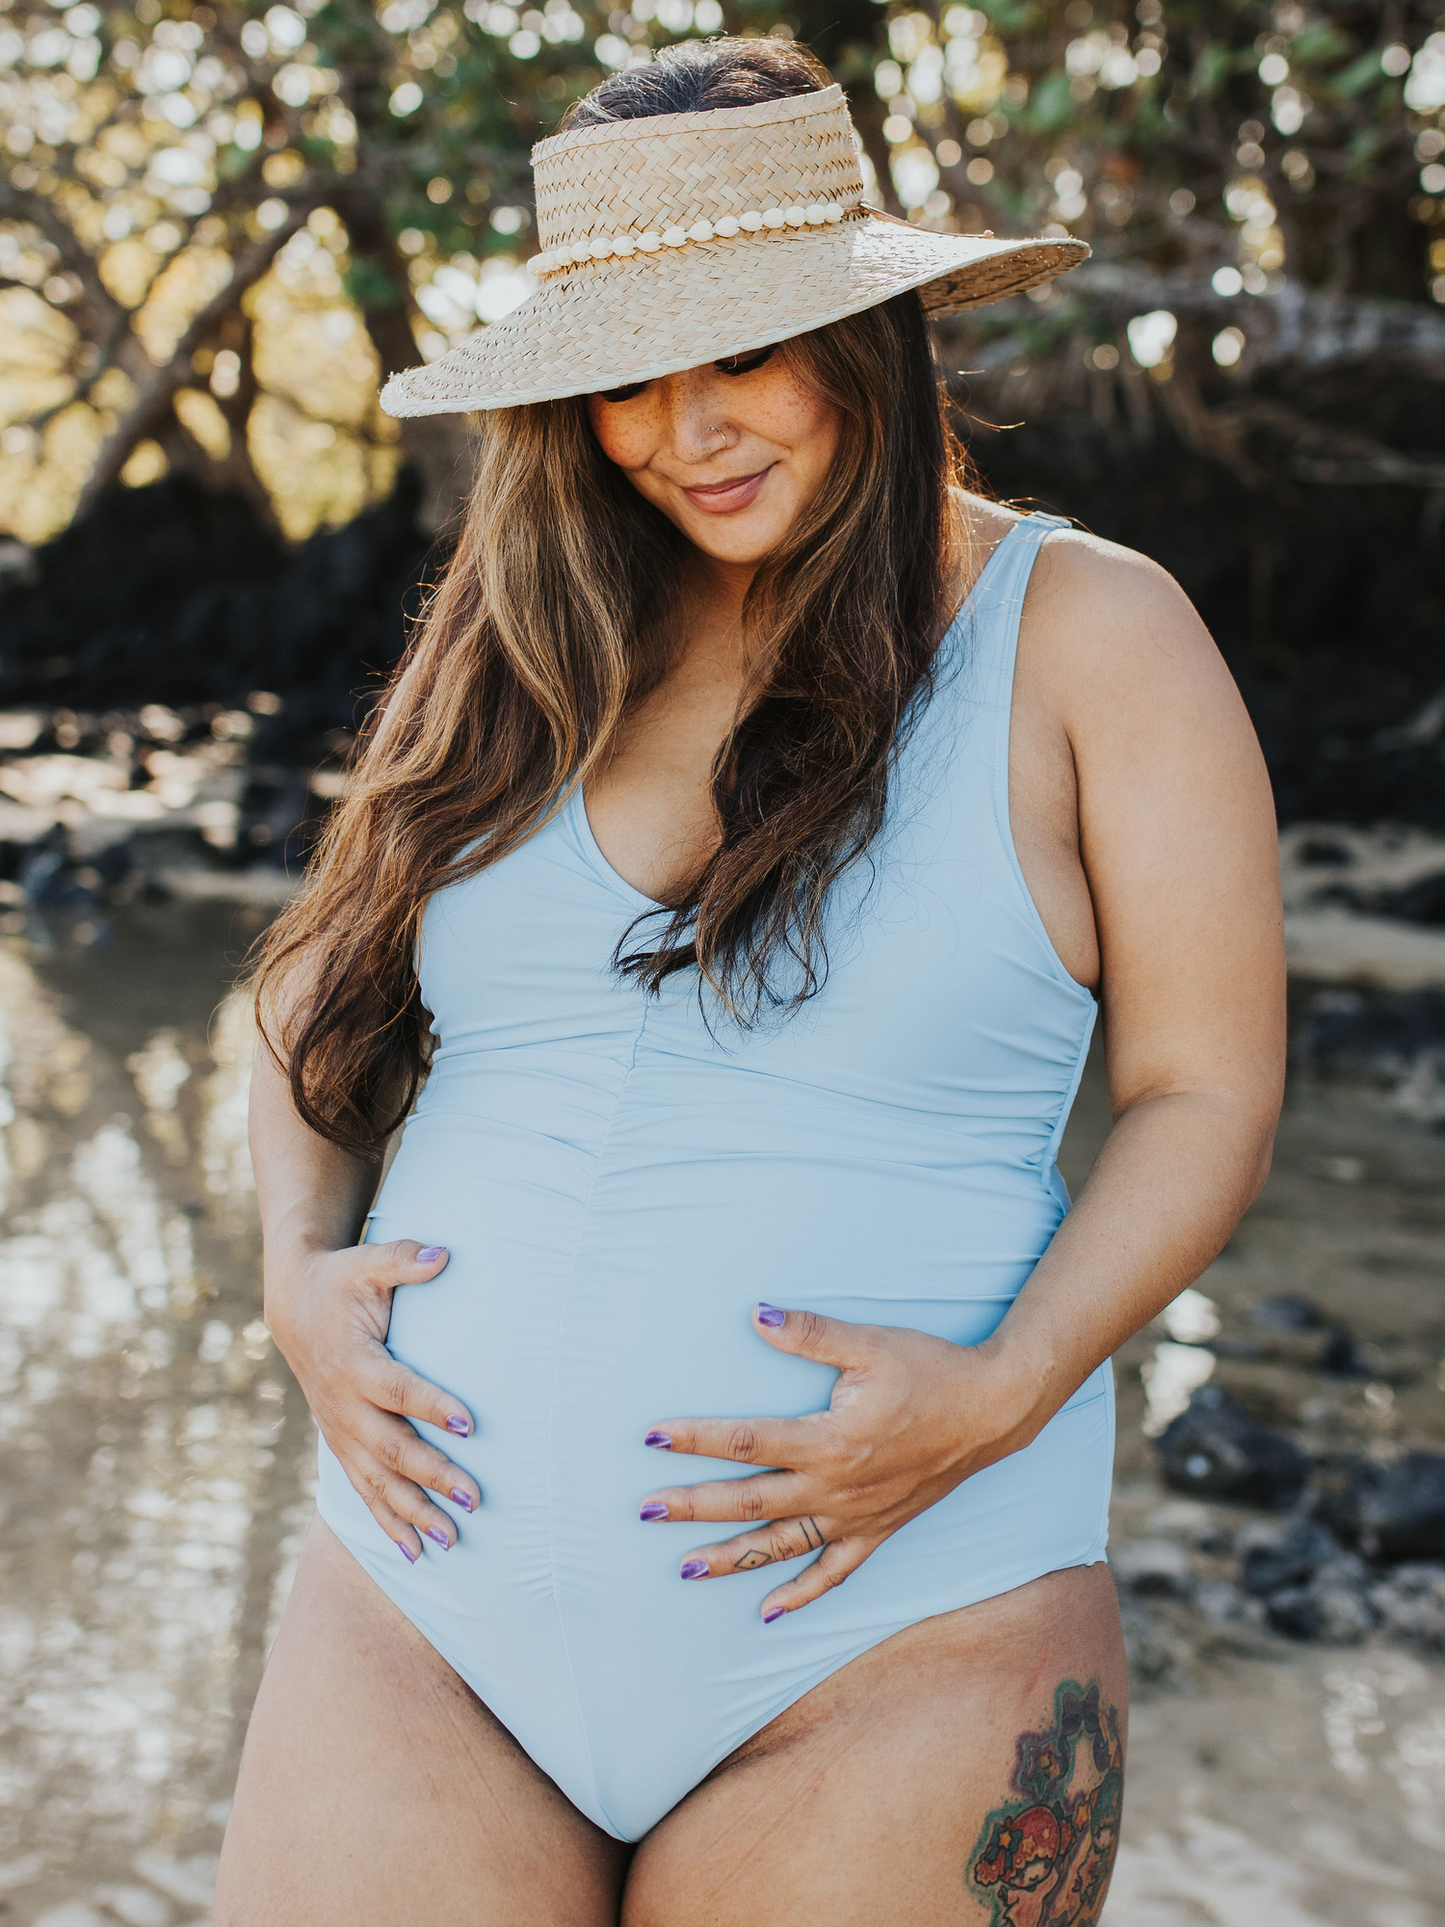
pixel 628 433
pixel 629 444
pixel 814 435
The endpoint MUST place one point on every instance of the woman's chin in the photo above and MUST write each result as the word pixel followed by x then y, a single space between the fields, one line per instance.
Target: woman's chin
pixel 740 543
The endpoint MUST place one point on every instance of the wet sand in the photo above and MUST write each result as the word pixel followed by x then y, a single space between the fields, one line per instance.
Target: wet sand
pixel 157 1461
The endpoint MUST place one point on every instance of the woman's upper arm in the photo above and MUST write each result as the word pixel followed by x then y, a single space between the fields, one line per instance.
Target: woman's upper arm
pixel 1176 830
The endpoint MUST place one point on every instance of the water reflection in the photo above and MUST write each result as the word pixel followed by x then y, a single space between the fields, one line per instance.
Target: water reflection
pixel 156 1464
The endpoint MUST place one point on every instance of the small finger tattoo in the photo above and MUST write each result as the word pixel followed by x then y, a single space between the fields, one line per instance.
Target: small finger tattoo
pixel 754 1556
pixel 812 1534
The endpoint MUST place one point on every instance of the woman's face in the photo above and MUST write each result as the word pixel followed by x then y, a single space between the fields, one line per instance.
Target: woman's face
pixel 731 452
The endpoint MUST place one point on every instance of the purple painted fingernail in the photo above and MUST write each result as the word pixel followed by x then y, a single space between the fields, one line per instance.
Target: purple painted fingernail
pixel 662 1441
pixel 406 1553
pixel 435 1532
pixel 463 1499
pixel 693 1569
pixel 770 1315
pixel 429 1254
pixel 773 1612
pixel 654 1509
pixel 460 1425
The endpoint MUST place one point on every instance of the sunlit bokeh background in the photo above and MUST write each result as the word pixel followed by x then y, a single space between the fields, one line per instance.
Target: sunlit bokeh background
pixel 223 223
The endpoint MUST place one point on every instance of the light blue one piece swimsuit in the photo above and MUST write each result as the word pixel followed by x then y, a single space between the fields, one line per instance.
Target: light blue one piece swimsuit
pixel 618 1183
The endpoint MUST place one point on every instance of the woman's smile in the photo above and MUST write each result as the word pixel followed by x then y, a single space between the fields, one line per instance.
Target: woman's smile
pixel 726 498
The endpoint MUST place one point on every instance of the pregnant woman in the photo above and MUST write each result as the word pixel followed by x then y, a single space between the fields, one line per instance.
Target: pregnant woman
pixel 715 1394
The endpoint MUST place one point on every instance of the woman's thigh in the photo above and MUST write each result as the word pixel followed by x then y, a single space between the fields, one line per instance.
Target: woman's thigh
pixel 376 1790
pixel 967 1771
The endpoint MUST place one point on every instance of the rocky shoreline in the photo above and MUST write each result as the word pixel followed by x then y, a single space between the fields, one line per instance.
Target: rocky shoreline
pixel 1357 1545
pixel 1280 1467
pixel 152 802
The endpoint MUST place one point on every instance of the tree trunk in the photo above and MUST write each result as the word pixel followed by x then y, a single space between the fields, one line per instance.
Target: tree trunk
pixel 234 472
pixel 439 447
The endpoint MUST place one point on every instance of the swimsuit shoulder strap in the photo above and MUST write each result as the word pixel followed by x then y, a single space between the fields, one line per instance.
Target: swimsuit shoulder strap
pixel 988 623
pixel 965 742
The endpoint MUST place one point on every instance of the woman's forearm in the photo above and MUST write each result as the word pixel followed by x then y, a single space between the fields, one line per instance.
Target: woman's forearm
pixel 328 1304
pixel 312 1194
pixel 1175 1176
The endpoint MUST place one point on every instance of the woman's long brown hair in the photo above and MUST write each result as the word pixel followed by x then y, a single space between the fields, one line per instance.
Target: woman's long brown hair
pixel 554 616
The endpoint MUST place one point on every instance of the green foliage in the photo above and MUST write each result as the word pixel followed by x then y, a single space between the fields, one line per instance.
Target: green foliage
pixel 370 286
pixel 1010 16
pixel 1051 107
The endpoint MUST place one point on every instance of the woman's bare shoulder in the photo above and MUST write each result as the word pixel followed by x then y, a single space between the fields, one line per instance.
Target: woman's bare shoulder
pixel 1075 563
pixel 1114 635
pixel 1107 634
pixel 1104 578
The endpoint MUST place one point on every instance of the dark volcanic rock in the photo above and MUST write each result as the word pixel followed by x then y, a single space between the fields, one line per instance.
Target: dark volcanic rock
pixel 1380 1038
pixel 1311 1586
pixel 1323 851
pixel 1395 1041
pixel 1402 1509
pixel 1337 1481
pixel 1215 1449
pixel 1333 1607
pixel 1340 1354
pixel 1419 902
pixel 1289 1558
pixel 1288 1311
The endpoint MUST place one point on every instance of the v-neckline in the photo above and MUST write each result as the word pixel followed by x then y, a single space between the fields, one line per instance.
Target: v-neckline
pixel 577 806
pixel 597 856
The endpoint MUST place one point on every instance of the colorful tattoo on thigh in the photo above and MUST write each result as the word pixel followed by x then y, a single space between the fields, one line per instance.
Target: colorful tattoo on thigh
pixel 1044 1858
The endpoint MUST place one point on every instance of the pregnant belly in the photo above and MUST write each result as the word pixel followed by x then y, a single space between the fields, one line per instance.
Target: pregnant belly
pixel 587 1298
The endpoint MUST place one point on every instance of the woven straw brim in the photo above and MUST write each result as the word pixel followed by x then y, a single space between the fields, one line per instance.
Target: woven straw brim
pixel 610 323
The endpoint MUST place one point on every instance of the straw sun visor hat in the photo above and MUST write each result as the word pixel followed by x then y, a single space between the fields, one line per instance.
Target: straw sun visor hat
pixel 672 240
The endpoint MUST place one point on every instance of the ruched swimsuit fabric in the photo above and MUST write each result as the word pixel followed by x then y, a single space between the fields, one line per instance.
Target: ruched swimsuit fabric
pixel 618 1181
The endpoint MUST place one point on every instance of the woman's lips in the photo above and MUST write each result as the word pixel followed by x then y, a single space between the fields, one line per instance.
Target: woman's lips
pixel 725 498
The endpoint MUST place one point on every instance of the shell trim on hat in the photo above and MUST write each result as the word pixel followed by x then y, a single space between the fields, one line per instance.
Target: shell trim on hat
pixel 755 221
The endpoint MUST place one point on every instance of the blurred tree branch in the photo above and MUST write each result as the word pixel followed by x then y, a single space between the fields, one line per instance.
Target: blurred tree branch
pixel 157 390
pixel 1290 324
pixel 28 205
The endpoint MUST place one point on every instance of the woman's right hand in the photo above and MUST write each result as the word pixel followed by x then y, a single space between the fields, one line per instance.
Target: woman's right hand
pixel 329 1312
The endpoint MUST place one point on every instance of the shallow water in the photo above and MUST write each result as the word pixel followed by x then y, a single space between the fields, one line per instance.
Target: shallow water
pixel 156 1464
pixel 154 1454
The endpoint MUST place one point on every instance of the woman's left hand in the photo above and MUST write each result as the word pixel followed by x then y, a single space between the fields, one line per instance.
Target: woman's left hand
pixel 910 1418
